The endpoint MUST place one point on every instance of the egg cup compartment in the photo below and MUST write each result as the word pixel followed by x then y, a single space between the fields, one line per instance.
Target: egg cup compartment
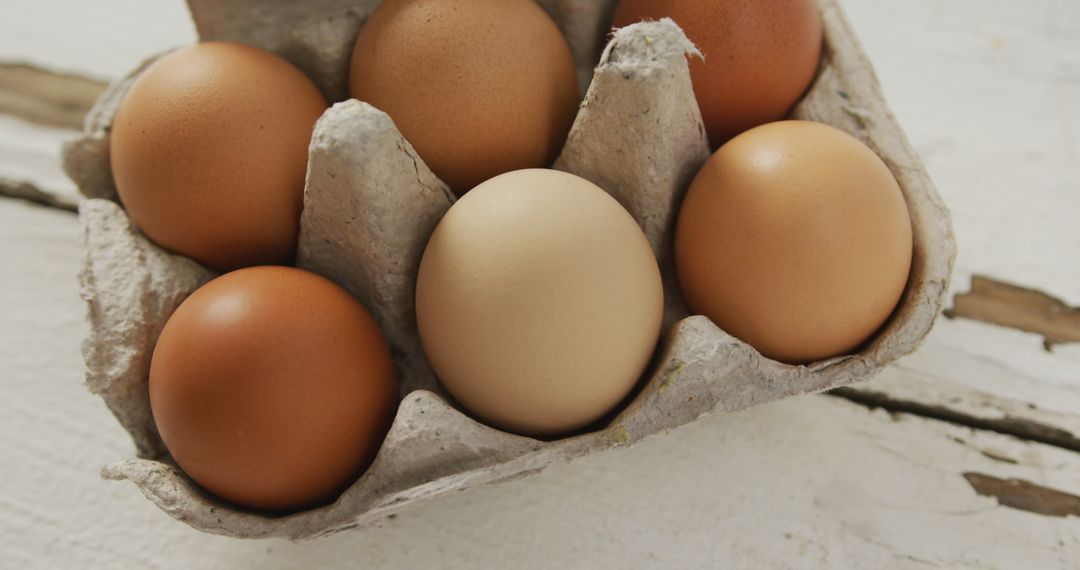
pixel 371 203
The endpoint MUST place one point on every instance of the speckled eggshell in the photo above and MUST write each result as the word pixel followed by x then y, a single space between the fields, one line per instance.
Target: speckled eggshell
pixel 209 152
pixel 759 55
pixel 795 238
pixel 479 87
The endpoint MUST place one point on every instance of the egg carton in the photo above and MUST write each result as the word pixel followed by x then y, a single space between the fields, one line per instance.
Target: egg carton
pixel 371 203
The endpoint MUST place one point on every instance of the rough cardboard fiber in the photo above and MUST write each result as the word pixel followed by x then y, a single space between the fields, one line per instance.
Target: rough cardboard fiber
pixel 371 204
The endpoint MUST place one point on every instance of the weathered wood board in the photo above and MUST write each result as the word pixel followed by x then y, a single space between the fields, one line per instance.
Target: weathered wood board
pixel 815 482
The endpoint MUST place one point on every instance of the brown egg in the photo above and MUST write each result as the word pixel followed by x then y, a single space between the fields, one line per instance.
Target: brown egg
pixel 479 87
pixel 760 55
pixel 539 302
pixel 209 153
pixel 272 388
pixel 795 238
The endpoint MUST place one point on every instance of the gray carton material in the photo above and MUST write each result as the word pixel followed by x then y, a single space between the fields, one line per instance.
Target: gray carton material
pixel 371 203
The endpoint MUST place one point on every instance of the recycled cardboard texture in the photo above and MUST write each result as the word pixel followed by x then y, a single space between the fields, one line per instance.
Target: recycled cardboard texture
pixel 360 165
pixel 315 35
pixel 638 134
pixel 633 117
pixel 132 287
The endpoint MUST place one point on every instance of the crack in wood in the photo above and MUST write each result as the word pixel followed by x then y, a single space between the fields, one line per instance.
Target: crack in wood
pixel 1017 427
pixel 46 97
pixel 26 191
pixel 998 455
pixel 1003 304
pixel 1025 496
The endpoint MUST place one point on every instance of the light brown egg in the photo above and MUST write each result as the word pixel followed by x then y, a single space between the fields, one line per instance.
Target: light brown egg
pixel 479 87
pixel 209 153
pixel 272 388
pixel 760 55
pixel 539 302
pixel 795 238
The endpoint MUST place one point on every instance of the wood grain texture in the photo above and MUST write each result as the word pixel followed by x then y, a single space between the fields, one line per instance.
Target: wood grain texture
pixel 45 97
pixel 30 154
pixel 1025 495
pixel 1021 308
pixel 810 482
pixel 993 377
pixel 31 193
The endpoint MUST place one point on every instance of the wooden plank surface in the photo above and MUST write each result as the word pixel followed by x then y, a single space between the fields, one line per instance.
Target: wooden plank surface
pixel 988 92
pixel 45 97
pixel 30 155
pixel 812 482
pixel 911 470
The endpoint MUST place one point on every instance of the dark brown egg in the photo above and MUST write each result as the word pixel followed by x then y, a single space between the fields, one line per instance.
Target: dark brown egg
pixel 272 388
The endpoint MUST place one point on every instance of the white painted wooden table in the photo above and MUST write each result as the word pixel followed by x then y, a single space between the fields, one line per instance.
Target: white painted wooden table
pixel 989 91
